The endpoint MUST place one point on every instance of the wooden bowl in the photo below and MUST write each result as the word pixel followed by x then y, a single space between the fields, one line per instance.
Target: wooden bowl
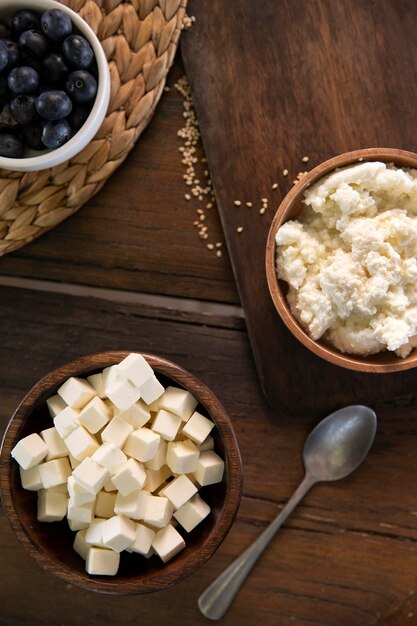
pixel 51 544
pixel 289 209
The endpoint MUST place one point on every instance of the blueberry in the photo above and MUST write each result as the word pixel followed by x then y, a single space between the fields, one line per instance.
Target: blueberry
pixel 22 109
pixel 56 133
pixel 53 105
pixel 23 80
pixel 56 24
pixel 54 68
pixel 4 55
pixel 78 116
pixel 5 31
pixel 33 42
pixel 11 146
pixel 77 51
pixel 24 20
pixel 32 137
pixel 81 86
pixel 13 53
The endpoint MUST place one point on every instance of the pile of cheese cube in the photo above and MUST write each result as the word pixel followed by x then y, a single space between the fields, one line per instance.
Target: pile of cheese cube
pixel 123 462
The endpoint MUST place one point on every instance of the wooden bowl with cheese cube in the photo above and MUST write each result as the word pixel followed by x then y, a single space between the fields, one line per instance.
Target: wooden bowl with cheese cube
pixel 120 473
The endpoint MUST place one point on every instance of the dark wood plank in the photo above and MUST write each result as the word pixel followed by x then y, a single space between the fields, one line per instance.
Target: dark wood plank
pixel 273 81
pixel 348 554
pixel 138 232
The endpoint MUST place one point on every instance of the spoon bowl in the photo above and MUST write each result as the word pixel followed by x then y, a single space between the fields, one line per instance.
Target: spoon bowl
pixel 339 443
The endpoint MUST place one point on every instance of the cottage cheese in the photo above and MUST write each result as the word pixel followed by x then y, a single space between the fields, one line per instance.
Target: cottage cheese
pixel 351 259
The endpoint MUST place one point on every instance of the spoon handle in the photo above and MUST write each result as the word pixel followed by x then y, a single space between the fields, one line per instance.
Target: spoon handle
pixel 218 597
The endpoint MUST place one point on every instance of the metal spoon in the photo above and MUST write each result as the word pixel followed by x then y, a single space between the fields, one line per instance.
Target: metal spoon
pixel 334 449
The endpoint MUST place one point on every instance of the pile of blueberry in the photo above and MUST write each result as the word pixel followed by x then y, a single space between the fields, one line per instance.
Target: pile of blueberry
pixel 48 81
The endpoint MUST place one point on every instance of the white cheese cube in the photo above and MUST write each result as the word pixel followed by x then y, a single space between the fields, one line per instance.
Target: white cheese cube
pixel 109 456
pixel 54 472
pixel 132 505
pixel 118 533
pixel 138 415
pixel 73 461
pixel 81 444
pixel 210 468
pixel 52 507
pixel 62 488
pixel 142 444
pixel 77 493
pixel 151 390
pixel 158 511
pixel 94 533
pixel 31 478
pixel 55 405
pixel 90 475
pixel 117 432
pixel 155 478
pixel 110 375
pixel 66 421
pixel 80 546
pixel 136 369
pixel 179 402
pixel 80 512
pixel 123 394
pixel 96 381
pixel 76 392
pixel 130 477
pixel 166 424
pixel 197 428
pixel 182 456
pixel 179 491
pixel 76 525
pixel 143 539
pixel 158 459
pixel 102 562
pixel 167 543
pixel 208 444
pixel 56 445
pixel 95 415
pixel 192 512
pixel 29 451
pixel 105 503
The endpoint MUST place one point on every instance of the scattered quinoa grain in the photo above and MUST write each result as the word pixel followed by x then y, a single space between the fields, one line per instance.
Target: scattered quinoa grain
pixel 187 196
pixel 219 244
pixel 210 246
pixel 249 204
pixel 305 159
pixel 262 210
pixel 275 186
pixel 239 229
pixel 264 200
pixel 285 172
pixel 219 253
pixel 237 203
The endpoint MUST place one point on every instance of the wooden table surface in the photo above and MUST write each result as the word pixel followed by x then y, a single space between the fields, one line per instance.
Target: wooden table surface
pixel 129 272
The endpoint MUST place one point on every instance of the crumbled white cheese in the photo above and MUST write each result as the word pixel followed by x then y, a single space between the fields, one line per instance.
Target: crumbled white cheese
pixel 351 259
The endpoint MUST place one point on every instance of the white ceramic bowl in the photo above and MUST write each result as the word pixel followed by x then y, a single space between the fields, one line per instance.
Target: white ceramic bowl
pixel 49 158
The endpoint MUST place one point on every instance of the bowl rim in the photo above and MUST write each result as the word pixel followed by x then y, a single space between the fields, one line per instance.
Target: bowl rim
pixel 403 158
pixel 233 470
pixel 92 124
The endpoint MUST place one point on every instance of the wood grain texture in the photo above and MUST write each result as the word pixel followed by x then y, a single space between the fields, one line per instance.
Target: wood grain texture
pixel 138 232
pixel 52 545
pixel 348 554
pixel 273 82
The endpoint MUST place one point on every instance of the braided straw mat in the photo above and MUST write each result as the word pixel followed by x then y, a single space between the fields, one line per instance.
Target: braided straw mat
pixel 140 38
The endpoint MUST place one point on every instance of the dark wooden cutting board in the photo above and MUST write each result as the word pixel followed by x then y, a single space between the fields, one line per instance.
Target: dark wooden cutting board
pixel 273 81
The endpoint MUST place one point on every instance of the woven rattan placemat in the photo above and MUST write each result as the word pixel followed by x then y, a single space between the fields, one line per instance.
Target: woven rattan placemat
pixel 140 38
